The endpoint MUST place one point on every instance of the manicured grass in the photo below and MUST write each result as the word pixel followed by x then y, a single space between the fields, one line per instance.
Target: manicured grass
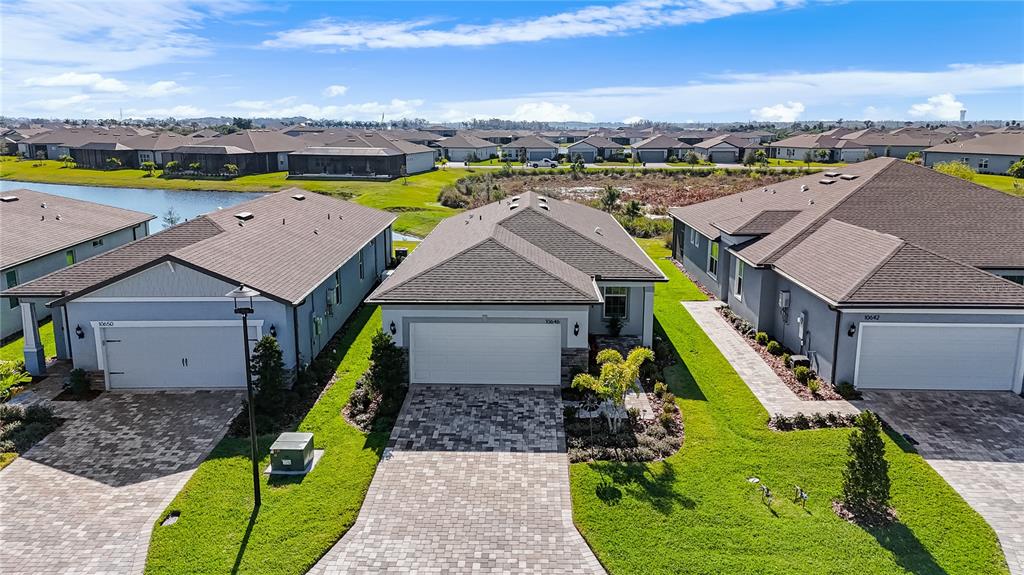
pixel 1001 183
pixel 15 349
pixel 6 458
pixel 407 245
pixel 413 198
pixel 697 513
pixel 803 164
pixel 301 517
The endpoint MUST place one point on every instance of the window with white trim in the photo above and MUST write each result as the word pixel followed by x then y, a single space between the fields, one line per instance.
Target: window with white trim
pixel 616 301
pixel 713 259
pixel 694 237
pixel 740 266
pixel 337 287
pixel 11 278
pixel 69 256
pixel 362 275
pixel 983 164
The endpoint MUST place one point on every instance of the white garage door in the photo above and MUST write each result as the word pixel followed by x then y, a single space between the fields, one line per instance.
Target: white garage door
pixel 170 355
pixel 939 356
pixel 491 353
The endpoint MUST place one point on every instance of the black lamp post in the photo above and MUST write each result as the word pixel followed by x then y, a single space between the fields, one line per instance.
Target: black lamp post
pixel 244 308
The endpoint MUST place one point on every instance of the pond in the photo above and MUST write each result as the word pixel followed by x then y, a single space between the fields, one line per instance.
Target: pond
pixel 186 204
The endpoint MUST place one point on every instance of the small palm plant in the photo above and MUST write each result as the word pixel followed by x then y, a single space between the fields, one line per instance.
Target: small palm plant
pixel 617 376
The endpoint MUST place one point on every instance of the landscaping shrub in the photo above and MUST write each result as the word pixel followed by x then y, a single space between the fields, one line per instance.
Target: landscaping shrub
pixel 78 382
pixel 660 389
pixel 12 376
pixel 866 477
pixel 22 427
pixel 761 338
pixel 956 169
pixel 802 374
pixel 386 376
pixel 814 386
pixel 800 421
pixel 785 359
pixel 1017 169
pixel 774 348
pixel 667 420
pixel 847 390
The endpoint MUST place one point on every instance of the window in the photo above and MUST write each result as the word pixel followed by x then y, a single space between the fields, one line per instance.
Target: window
pixel 694 237
pixel 983 164
pixel 361 274
pixel 713 260
pixel 739 278
pixel 337 287
pixel 70 257
pixel 616 301
pixel 97 243
pixel 11 277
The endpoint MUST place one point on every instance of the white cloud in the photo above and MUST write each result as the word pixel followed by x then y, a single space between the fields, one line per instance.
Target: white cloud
pixel 595 20
pixel 941 107
pixel 164 88
pixel 633 120
pixel 96 82
pixel 787 112
pixel 183 111
pixel 548 112
pixel 286 107
pixel 335 90
pixel 61 103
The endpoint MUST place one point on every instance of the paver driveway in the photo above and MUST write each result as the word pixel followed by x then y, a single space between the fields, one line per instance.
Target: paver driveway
pixel 475 479
pixel 84 499
pixel 974 440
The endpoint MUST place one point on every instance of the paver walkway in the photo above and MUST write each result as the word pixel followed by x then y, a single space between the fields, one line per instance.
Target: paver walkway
pixel 84 499
pixel 773 394
pixel 475 479
pixel 974 440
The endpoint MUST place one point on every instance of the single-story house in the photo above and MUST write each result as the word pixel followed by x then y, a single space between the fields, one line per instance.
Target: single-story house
pixel 98 155
pixel 360 155
pixel 593 147
pixel 42 233
pixel 835 148
pixel 659 149
pixel 56 143
pixel 693 137
pixel 897 144
pixel 625 136
pixel 531 148
pixel 151 147
pixel 252 151
pixel 511 293
pixel 724 149
pixel 885 274
pixel 12 137
pixel 466 147
pixel 154 313
pixel 440 129
pixel 992 154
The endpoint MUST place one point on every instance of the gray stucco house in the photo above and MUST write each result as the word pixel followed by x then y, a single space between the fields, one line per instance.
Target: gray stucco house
pixel 660 148
pixel 592 147
pixel 153 313
pixel 532 148
pixel 510 293
pixel 466 147
pixel 993 154
pixel 887 275
pixel 41 233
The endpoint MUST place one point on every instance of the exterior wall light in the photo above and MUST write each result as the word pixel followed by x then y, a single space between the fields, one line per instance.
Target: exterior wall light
pixel 79 332
pixel 394 329
pixel 273 331
pixel 576 329
pixel 853 329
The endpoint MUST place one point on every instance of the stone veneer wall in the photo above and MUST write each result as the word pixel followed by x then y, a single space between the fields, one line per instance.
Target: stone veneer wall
pixel 573 359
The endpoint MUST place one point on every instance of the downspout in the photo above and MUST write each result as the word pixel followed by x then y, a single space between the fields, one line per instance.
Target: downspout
pixel 835 346
pixel 295 335
pixel 67 333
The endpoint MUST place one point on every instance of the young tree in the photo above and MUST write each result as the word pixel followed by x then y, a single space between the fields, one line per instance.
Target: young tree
pixel 195 166
pixel 170 217
pixel 149 167
pixel 866 478
pixel 617 377
pixel 113 163
pixel 443 162
pixel 1017 169
pixel 268 373
pixel 956 169
pixel 172 167
pixel 761 157
pixel 231 169
pixel 692 158
pixel 242 123
pixel 610 198
pixel 808 157
pixel 822 155
pixel 387 370
pixel 67 159
pixel 633 209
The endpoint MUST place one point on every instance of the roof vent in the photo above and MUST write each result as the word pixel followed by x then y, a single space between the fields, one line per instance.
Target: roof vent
pixel 848 177
pixel 43 205
pixel 299 197
pixel 515 198
pixel 826 182
pixel 545 207
pixel 6 199
pixel 597 230
pixel 804 187
pixel 832 174
pixel 244 216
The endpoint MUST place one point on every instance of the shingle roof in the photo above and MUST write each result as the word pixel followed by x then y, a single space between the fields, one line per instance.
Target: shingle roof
pixel 258 141
pixel 730 139
pixel 951 224
pixel 762 223
pixel 1003 144
pixel 285 250
pixel 464 141
pixel 29 231
pixel 815 141
pixel 660 142
pixel 540 251
pixel 599 142
pixel 535 142
pixel 159 141
pixel 374 143
pixel 203 148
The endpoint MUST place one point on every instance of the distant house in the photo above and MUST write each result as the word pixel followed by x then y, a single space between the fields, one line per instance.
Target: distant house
pixel 99 155
pixel 252 151
pixel 897 144
pixel 151 147
pixel 822 147
pixel 886 275
pixel 512 293
pixel 12 137
pixel 466 147
pixel 532 148
pixel 42 233
pixel 724 149
pixel 367 155
pixel 204 134
pixel 440 129
pixel 59 142
pixel 693 137
pixel 992 154
pixel 593 147
pixel 154 313
pixel 659 149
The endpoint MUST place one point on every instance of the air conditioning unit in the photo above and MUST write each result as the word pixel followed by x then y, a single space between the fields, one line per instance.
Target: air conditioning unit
pixel 784 299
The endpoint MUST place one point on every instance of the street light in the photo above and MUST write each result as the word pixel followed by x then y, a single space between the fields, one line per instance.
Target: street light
pixel 243 308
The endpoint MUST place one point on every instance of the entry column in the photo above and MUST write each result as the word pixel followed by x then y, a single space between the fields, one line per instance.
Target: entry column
pixel 35 356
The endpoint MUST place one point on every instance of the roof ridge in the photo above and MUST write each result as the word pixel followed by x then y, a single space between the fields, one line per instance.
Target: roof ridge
pixel 960 263
pixel 784 247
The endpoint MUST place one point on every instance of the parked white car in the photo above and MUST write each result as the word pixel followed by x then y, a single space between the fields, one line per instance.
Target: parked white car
pixel 545 163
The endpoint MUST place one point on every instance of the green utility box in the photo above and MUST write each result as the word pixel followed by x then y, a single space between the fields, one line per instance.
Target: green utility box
pixel 292 452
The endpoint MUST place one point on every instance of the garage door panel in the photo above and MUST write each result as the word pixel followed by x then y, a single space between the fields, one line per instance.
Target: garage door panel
pixel 933 356
pixel 485 353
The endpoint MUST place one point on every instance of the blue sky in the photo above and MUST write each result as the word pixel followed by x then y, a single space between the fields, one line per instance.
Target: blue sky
pixel 674 60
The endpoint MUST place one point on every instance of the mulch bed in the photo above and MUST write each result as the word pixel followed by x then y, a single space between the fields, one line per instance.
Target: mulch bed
pixel 884 519
pixel 68 395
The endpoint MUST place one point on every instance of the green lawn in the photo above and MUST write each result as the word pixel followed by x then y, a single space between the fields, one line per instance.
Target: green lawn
pixel 696 513
pixel 1001 183
pixel 414 199
pixel 803 164
pixel 14 350
pixel 301 518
